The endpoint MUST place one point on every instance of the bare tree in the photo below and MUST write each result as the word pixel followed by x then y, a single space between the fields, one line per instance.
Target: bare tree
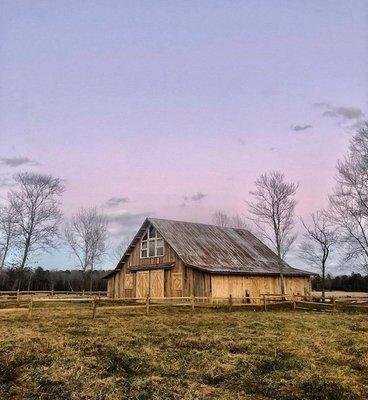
pixel 220 218
pixel 7 232
pixel 349 201
pixel 36 204
pixel 238 222
pixel 320 236
pixel 119 250
pixel 86 235
pixel 272 212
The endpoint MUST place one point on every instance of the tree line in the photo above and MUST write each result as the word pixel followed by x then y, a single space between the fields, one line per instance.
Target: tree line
pixel 47 280
pixel 350 283
pixel 31 221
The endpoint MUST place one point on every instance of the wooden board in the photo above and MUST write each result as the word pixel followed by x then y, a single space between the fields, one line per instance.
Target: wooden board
pixel 177 284
pixel 128 281
pixel 142 286
pixel 157 283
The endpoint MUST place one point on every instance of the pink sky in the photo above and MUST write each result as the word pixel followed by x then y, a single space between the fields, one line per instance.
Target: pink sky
pixel 154 102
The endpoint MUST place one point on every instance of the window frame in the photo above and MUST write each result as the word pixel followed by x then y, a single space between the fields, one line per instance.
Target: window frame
pixel 145 244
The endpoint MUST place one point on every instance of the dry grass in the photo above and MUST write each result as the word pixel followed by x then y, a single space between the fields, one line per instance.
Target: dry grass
pixel 176 354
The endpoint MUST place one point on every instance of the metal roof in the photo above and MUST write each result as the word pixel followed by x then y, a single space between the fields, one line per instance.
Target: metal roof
pixel 216 249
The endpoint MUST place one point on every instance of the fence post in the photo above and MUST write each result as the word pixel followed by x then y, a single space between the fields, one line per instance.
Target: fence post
pixel 30 307
pixel 193 301
pixel 333 304
pixel 293 299
pixel 18 298
pixel 94 306
pixel 264 303
pixel 99 294
pixel 83 293
pixel 230 302
pixel 147 305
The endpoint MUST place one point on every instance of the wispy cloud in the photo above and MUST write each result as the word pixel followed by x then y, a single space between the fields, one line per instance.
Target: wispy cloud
pixel 115 202
pixel 351 116
pixel 6 182
pixel 17 161
pixel 197 197
pixel 298 128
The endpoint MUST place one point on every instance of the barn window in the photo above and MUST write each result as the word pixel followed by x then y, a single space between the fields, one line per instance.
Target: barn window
pixel 152 244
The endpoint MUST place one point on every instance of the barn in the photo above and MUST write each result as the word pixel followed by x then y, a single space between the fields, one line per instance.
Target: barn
pixel 170 258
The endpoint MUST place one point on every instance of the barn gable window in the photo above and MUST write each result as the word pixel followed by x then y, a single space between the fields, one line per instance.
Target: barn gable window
pixel 152 244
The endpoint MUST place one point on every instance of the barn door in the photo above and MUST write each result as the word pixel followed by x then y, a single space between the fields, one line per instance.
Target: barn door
pixel 157 283
pixel 142 284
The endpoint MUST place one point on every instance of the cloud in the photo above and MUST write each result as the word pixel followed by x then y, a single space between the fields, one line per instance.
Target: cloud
pixel 123 223
pixel 352 116
pixel 17 161
pixel 198 196
pixel 115 201
pixel 298 128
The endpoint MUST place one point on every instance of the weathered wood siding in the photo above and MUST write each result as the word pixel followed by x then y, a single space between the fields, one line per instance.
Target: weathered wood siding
pixel 254 286
pixel 196 283
pixel 129 283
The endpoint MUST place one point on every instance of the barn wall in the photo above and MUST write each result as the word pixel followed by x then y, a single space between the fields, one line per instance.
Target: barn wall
pixel 124 283
pixel 196 283
pixel 254 286
pixel 110 286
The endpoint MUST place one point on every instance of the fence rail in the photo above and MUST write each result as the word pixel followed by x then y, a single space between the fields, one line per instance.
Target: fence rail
pixel 100 301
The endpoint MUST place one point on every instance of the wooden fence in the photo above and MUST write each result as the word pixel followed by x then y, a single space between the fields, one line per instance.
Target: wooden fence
pixel 99 302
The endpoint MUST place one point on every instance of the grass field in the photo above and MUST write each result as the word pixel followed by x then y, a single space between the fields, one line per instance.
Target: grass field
pixel 178 354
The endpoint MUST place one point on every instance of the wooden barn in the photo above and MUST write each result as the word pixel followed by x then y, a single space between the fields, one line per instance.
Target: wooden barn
pixel 178 259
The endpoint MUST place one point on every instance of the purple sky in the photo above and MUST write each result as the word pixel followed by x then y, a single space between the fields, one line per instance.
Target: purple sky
pixel 149 102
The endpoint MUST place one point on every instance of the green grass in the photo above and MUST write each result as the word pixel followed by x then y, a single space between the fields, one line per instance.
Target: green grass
pixel 177 354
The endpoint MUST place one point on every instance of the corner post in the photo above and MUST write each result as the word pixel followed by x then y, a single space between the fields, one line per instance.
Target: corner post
pixel 147 304
pixel 230 302
pixel 264 303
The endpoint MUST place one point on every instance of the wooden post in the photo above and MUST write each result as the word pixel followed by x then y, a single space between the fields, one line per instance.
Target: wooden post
pixel 147 305
pixel 18 298
pixel 333 304
pixel 293 299
pixel 99 294
pixel 230 302
pixel 264 303
pixel 83 293
pixel 94 306
pixel 30 307
pixel 193 301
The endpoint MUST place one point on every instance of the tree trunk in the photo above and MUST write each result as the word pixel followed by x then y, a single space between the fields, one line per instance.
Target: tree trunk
pixel 4 256
pixel 25 254
pixel 281 269
pixel 323 281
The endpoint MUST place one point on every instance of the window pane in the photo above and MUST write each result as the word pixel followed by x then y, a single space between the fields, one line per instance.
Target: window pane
pixel 143 253
pixel 145 236
pixel 152 232
pixel 151 248
pixel 160 251
pixel 158 235
pixel 160 243
pixel 144 245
